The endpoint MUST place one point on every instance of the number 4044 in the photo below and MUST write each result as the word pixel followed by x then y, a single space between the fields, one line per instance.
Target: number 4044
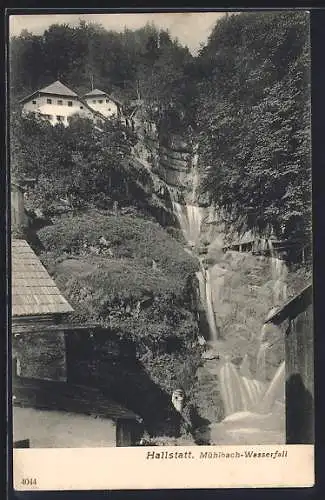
pixel 29 481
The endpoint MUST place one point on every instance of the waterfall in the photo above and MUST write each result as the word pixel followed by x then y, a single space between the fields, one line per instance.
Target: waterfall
pixel 190 218
pixel 244 369
pixel 241 392
pixel 214 335
pixel 261 359
pixel 196 177
pixel 238 393
pixel 278 273
pixel 190 221
pixel 275 391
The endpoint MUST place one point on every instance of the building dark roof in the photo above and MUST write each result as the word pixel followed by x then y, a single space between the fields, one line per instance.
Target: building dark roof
pixel 292 307
pixel 33 290
pixel 100 93
pixel 58 88
pixel 62 396
pixel 55 88
pixel 95 92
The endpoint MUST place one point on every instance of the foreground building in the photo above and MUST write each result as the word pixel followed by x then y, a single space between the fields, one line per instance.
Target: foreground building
pixel 39 311
pixel 297 317
pixel 49 409
pixel 52 414
pixel 57 103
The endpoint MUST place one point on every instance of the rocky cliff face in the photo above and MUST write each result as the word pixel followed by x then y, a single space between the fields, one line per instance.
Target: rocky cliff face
pixel 171 159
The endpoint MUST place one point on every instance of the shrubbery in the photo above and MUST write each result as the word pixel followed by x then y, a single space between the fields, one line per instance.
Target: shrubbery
pixel 126 237
pixel 138 283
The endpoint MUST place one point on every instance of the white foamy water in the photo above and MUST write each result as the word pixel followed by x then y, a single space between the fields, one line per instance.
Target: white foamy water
pixel 210 306
pixel 244 369
pixel 238 393
pixel 261 361
pixel 195 178
pixel 279 274
pixel 190 220
pixel 255 412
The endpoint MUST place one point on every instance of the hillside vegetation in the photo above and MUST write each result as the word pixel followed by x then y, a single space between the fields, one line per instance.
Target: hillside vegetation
pixel 127 274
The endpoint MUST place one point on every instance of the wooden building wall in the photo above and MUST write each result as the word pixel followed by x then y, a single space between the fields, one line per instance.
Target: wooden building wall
pixel 18 216
pixel 40 355
pixel 300 379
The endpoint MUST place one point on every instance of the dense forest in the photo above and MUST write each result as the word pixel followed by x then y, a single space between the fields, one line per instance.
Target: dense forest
pixel 245 99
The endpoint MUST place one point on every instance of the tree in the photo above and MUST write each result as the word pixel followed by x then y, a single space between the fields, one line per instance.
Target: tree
pixel 254 121
pixel 80 163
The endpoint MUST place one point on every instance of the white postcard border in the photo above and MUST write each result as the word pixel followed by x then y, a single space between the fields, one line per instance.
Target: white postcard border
pixel 163 467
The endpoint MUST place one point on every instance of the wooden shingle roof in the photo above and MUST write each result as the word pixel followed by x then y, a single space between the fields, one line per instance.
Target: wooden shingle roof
pixel 33 290
pixel 292 307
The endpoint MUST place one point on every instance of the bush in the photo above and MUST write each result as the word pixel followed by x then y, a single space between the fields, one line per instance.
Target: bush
pixel 127 237
pixel 138 283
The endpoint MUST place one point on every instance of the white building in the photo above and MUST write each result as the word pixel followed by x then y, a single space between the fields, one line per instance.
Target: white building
pixel 103 103
pixel 54 414
pixel 57 103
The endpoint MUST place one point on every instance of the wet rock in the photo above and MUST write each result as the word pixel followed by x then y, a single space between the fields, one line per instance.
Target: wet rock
pixel 210 355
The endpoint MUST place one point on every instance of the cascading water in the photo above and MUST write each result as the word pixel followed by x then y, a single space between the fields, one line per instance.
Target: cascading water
pixel 261 355
pixel 190 220
pixel 208 288
pixel 275 391
pixel 279 295
pixel 240 390
pixel 238 393
pixel 190 217
pixel 251 400
pixel 279 273
pixel 244 369
pixel 195 177
pixel 214 334
pixel 254 411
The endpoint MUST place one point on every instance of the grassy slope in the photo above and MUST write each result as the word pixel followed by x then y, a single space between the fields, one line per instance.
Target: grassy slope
pixel 138 284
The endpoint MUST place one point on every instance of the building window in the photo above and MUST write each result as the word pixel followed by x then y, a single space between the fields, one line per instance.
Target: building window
pixel 107 100
pixel 34 102
pixel 81 107
pixel 70 103
pixel 59 118
pixel 60 102
pixel 50 117
pixel 100 102
pixel 49 101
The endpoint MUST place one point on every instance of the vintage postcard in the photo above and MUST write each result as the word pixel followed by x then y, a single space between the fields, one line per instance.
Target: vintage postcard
pixel 162 315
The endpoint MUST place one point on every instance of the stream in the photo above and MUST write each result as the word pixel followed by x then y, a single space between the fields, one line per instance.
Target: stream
pixel 254 407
